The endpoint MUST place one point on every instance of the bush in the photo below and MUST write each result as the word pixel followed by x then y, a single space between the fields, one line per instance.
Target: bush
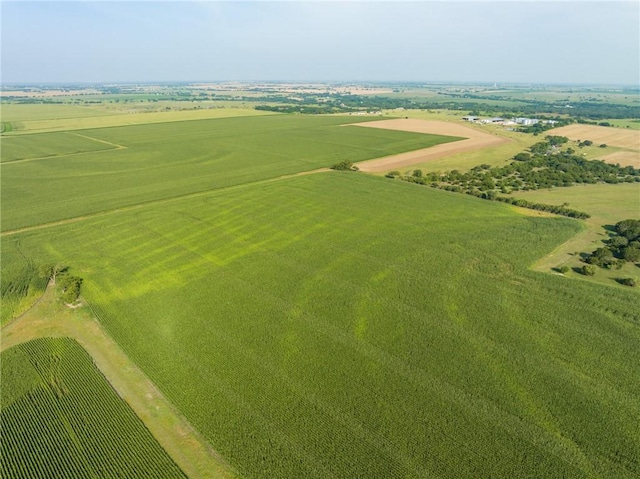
pixel 70 287
pixel 588 270
pixel 562 269
pixel 393 174
pixel 627 282
pixel 344 165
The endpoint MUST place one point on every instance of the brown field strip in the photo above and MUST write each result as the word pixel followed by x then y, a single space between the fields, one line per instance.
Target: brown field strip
pixel 623 158
pixel 474 140
pixel 621 137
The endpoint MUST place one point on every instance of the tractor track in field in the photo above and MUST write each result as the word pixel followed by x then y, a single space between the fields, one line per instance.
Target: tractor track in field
pixel 136 206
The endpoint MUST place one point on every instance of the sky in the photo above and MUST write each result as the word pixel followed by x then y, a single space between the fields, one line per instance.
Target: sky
pixel 593 42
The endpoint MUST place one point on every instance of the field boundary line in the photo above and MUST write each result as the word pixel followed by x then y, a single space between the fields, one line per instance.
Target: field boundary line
pixel 136 206
pixel 51 157
pixel 118 147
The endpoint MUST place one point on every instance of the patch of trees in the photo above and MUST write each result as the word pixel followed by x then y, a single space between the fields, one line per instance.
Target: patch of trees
pixel 67 285
pixel 622 246
pixel 577 109
pixel 545 165
pixel 304 109
pixel 344 165
pixel 541 126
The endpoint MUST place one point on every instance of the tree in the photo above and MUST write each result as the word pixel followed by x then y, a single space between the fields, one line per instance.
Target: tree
pixel 588 270
pixel 344 165
pixel 556 140
pixel 630 229
pixel 631 254
pixel 70 286
pixel 51 271
pixel 522 157
pixel 627 281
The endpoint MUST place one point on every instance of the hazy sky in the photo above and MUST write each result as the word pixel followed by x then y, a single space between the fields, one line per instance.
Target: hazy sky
pixel 499 41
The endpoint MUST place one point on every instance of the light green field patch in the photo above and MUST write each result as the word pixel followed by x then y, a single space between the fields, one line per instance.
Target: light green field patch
pixel 631 124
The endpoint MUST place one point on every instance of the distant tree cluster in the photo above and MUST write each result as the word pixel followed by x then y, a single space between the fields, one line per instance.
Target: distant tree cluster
pixel 545 165
pixel 623 246
pixel 541 127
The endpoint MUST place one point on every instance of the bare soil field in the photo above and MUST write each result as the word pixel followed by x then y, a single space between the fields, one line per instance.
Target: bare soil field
pixel 623 158
pixel 474 140
pixel 624 138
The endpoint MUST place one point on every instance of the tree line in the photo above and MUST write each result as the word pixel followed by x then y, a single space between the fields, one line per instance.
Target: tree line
pixel 545 165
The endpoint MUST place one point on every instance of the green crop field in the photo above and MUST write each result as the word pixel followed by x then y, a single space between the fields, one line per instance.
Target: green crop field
pixel 48 146
pixel 60 418
pixel 344 325
pixel 150 162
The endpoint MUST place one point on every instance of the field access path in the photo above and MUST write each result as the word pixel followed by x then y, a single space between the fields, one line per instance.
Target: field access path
pixel 48 318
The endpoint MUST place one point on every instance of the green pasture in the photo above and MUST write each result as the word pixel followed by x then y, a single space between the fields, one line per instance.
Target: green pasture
pixel 607 205
pixel 60 418
pixel 631 124
pixel 155 161
pixel 343 325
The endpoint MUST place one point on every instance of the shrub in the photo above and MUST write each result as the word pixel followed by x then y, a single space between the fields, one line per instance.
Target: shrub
pixel 344 165
pixel 588 270
pixel 562 269
pixel 627 282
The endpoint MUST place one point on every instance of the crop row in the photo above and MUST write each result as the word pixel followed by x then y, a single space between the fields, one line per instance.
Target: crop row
pixel 340 325
pixel 70 423
pixel 174 159
pixel 306 337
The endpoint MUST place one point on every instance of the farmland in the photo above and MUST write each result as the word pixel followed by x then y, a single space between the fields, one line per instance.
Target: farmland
pixel 343 325
pixel 601 134
pixel 607 204
pixel 60 418
pixel 311 323
pixel 474 140
pixel 154 161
